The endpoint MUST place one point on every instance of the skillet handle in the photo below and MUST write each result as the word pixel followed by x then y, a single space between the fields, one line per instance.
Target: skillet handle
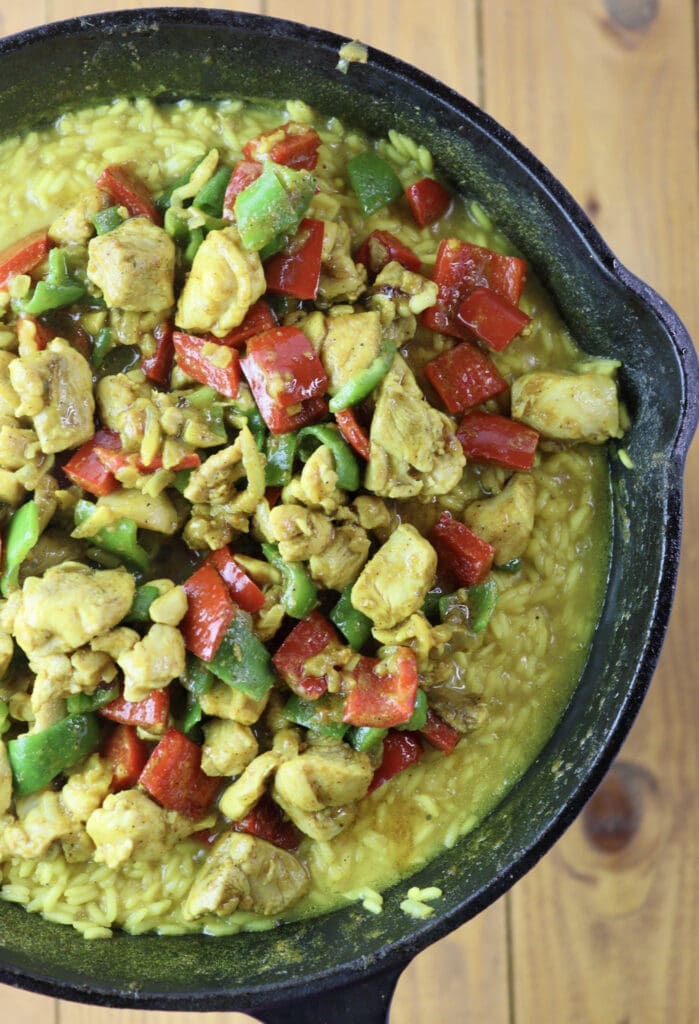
pixel 364 1001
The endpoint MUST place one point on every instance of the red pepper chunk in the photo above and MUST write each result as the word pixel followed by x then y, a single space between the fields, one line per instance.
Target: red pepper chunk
pixel 127 754
pixel 244 173
pixel 86 469
pixel 295 270
pixel 491 318
pixel 400 750
pixel 353 432
pixel 126 189
pixel 210 611
pixel 173 776
pixel 459 269
pixel 118 460
pixel 258 318
pixel 497 440
pixel 384 692
pixel 158 366
pixel 439 733
pixel 308 638
pixel 380 248
pixel 295 145
pixel 464 376
pixel 428 201
pixel 266 821
pixel 245 593
pixel 462 554
pixel 23 255
pixel 288 364
pixel 151 712
pixel 208 362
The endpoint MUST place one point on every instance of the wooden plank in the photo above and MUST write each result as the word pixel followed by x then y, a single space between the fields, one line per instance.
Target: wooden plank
pixel 605 95
pixel 17 17
pixel 21 1007
pixel 58 9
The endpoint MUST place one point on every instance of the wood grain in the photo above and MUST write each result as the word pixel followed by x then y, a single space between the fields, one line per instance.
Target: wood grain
pixel 603 930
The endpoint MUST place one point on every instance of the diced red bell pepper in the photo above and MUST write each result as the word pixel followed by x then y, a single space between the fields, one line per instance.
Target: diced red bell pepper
pixel 42 334
pixel 308 638
pixel 126 189
pixel 295 270
pixel 266 821
pixel 244 591
pixel 210 612
pixel 464 376
pixel 200 359
pixel 244 173
pixel 384 692
pixel 285 376
pixel 173 776
pixel 281 421
pixel 23 256
pixel 353 432
pixel 497 440
pixel 158 366
pixel 380 248
pixel 273 494
pixel 86 469
pixel 293 144
pixel 460 267
pixel 118 460
pixel 258 318
pixel 462 554
pixel 127 754
pixel 151 712
pixel 491 318
pixel 439 733
pixel 428 201
pixel 400 750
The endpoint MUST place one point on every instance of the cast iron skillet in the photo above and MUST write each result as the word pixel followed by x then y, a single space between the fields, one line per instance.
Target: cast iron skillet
pixel 344 966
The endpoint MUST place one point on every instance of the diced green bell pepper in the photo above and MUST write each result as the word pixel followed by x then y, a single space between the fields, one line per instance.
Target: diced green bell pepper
pixel 480 600
pixel 280 452
pixel 22 534
pixel 197 678
pixel 120 538
pixel 100 347
pixel 242 661
pixel 365 737
pixel 273 205
pixel 79 703
pixel 345 463
pixel 418 718
pixel 210 197
pixel 299 595
pixel 107 220
pixel 56 290
pixel 323 716
pixel 163 202
pixel 142 600
pixel 4 718
pixel 365 382
pixel 374 181
pixel 196 237
pixel 37 758
pixel 354 625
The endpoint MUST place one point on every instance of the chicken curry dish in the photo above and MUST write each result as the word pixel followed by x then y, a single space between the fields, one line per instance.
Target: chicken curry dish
pixel 304 513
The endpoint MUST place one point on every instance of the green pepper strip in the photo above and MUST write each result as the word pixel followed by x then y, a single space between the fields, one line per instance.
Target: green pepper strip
pixel 107 220
pixel 176 226
pixel 142 600
pixel 193 716
pixel 299 594
pixel 181 481
pixel 119 359
pixel 256 424
pixel 365 382
pixel 100 347
pixel 430 606
pixel 165 199
pixel 364 737
pixel 78 703
pixel 323 717
pixel 418 719
pixel 120 538
pixel 22 535
pixel 4 718
pixel 210 197
pixel 345 463
pixel 37 758
pixel 354 625
pixel 273 205
pixel 374 181
pixel 196 237
pixel 57 289
pixel 280 452
pixel 197 678
pixel 482 598
pixel 242 661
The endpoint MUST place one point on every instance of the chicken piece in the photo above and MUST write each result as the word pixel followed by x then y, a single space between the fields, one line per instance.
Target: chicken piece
pixel 300 532
pixel 22 458
pixel 398 296
pixel 225 280
pixel 153 662
pixel 11 490
pixel 41 819
pixel 116 642
pixel 393 584
pixel 5 780
pixel 134 266
pixel 373 515
pixel 326 775
pixel 341 279
pixel 229 748
pixel 170 608
pixel 9 399
pixel 414 448
pixel 242 795
pixel 568 406
pixel 245 873
pixel 339 564
pixel 417 633
pixel 69 606
pixel 321 825
pixel 505 520
pixel 75 226
pixel 85 790
pixel 117 395
pixel 130 824
pixel 316 486
pixel 58 675
pixel 222 701
pixel 149 512
pixel 7 649
pixel 55 389
pixel 352 342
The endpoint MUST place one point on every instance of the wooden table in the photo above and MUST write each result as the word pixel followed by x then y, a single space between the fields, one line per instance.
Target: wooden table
pixel 605 929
